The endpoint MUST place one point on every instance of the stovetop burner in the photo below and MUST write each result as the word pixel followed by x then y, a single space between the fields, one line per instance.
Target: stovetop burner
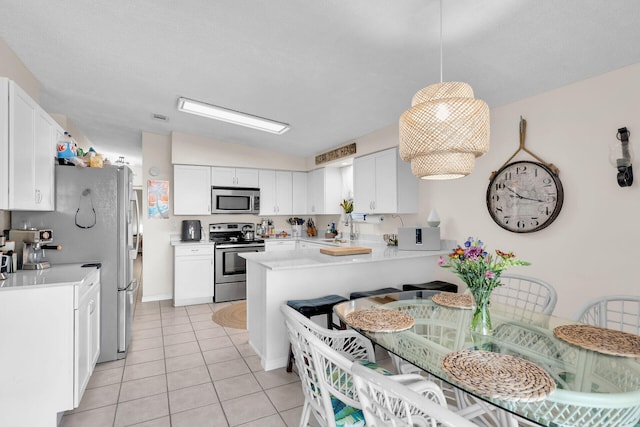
pixel 232 233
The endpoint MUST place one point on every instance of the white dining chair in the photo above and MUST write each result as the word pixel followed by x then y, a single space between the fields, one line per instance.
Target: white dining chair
pixel 346 341
pixel 387 403
pixel 350 346
pixel 324 359
pixel 523 296
pixel 620 312
pixel 315 401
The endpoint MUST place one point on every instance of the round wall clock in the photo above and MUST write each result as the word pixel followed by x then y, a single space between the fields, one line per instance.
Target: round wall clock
pixel 524 196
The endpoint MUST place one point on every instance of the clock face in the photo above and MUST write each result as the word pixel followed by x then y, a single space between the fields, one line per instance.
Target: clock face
pixel 524 197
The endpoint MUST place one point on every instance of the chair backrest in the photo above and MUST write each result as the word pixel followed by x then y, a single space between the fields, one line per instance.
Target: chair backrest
pixel 620 312
pixel 348 342
pixel 334 371
pixel 319 402
pixel 386 402
pixel 522 294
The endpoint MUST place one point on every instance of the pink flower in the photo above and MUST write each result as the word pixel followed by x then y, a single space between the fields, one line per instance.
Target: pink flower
pixel 490 275
pixel 441 262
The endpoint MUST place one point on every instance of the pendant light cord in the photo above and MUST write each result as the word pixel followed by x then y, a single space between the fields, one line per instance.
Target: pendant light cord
pixel 440 41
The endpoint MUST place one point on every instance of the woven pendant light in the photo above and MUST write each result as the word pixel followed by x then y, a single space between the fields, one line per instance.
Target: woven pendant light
pixel 445 129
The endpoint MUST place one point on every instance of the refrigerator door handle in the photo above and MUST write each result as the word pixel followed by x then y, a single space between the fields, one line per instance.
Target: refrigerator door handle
pixel 134 253
pixel 134 285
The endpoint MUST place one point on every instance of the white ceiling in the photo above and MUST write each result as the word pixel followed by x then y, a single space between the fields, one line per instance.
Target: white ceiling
pixel 333 69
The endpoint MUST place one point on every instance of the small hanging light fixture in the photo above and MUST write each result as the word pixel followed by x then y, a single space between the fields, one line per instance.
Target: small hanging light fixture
pixel 445 129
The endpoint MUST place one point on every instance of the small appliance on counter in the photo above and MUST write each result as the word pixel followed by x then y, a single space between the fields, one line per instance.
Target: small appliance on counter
pixel 30 245
pixel 191 230
pixel 419 239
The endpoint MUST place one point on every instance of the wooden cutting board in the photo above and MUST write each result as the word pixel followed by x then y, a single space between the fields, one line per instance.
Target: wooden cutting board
pixel 346 250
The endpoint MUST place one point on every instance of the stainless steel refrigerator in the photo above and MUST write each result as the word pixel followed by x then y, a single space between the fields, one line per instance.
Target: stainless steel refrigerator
pixel 95 220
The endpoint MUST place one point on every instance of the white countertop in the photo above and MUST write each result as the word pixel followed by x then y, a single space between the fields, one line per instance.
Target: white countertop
pixel 61 274
pixel 309 258
pixel 174 240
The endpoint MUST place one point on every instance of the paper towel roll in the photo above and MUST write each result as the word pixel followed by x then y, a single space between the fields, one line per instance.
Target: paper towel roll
pixel 372 219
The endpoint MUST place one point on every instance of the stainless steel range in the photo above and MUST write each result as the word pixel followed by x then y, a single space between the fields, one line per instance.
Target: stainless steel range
pixel 232 239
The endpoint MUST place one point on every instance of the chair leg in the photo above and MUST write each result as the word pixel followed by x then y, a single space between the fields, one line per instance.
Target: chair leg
pixel 306 411
pixel 330 320
pixel 290 361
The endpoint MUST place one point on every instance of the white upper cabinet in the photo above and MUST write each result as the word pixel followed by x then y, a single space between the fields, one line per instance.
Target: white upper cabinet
pixel 299 190
pixel 383 183
pixel 191 190
pixel 28 137
pixel 324 188
pixel 234 177
pixel 276 192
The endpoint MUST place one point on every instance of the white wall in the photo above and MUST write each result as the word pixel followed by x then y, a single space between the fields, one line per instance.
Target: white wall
pixel 196 150
pixel 589 250
pixel 12 67
pixel 585 253
pixel 157 265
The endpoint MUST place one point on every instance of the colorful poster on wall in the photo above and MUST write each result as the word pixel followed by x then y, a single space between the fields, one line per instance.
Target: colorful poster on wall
pixel 158 199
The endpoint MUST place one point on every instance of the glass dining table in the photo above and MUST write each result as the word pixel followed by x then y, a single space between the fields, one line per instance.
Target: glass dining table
pixel 591 388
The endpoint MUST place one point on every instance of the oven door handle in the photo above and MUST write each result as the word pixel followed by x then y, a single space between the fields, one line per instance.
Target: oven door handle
pixel 236 246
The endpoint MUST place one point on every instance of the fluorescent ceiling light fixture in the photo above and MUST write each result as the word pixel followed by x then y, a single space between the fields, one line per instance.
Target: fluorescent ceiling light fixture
pixel 223 114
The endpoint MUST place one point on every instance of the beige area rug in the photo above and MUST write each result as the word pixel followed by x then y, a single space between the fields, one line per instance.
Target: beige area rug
pixel 233 316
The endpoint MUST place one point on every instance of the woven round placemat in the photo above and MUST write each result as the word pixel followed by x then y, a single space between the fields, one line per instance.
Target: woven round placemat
pixel 449 299
pixel 602 340
pixel 499 376
pixel 379 320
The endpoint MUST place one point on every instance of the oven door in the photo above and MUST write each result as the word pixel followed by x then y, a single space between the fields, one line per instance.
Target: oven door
pixel 229 267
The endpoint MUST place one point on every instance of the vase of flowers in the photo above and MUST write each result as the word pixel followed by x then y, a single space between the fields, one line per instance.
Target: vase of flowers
pixel 480 271
pixel 346 220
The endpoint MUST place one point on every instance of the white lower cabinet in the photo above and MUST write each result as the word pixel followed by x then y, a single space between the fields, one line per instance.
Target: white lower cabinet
pixel 51 342
pixel 279 245
pixel 193 274
pixel 87 344
pixel 305 244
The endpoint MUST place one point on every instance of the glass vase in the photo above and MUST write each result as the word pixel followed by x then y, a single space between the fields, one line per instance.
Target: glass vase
pixel 481 320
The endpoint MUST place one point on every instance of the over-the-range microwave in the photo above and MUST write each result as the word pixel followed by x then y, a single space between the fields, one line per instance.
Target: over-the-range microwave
pixel 235 200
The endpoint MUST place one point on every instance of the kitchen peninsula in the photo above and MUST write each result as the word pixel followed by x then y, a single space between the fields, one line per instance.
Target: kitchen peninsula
pixel 276 277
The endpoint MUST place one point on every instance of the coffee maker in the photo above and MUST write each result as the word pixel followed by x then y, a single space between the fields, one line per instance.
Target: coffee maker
pixel 30 246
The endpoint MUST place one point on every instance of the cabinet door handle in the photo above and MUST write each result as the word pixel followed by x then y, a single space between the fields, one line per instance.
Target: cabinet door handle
pixel 91 284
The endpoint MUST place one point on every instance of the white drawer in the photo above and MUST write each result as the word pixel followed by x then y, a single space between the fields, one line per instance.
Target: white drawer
pixel 189 250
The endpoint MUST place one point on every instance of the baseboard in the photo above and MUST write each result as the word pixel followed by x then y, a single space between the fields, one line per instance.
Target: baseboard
pixel 156 298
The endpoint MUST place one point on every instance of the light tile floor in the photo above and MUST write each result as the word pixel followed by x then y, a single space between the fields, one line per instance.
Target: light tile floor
pixel 183 369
